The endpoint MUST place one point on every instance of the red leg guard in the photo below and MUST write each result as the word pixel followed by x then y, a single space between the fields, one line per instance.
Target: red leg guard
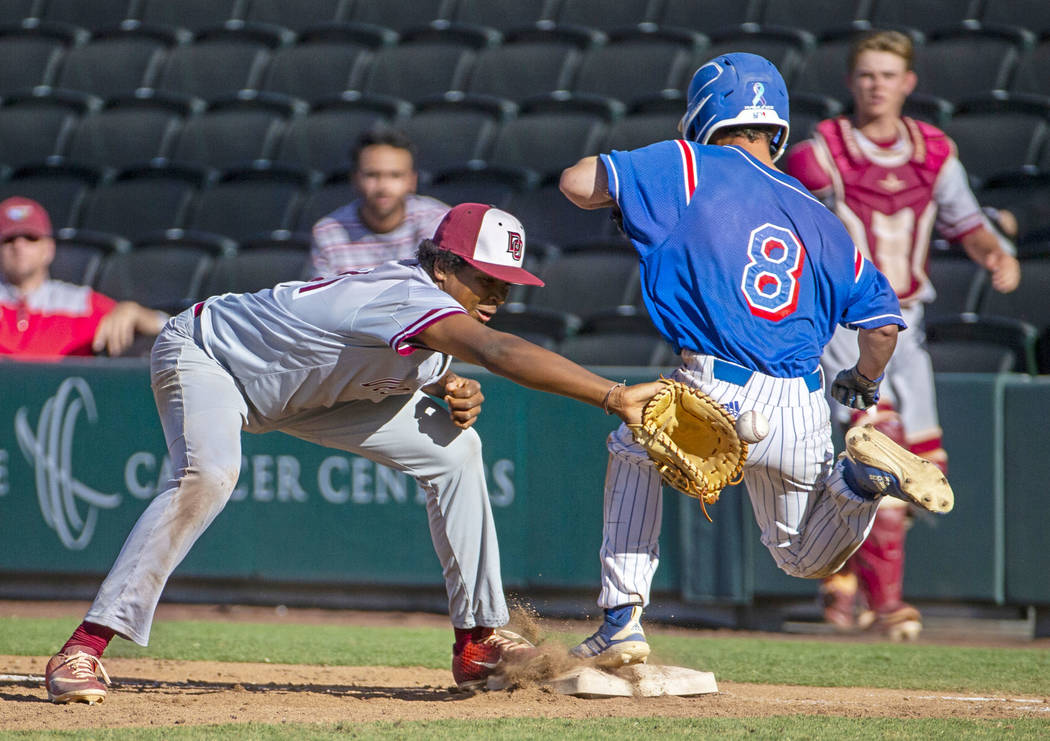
pixel 879 562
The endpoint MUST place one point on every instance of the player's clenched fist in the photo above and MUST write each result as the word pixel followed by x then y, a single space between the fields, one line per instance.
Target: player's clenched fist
pixel 853 389
pixel 464 397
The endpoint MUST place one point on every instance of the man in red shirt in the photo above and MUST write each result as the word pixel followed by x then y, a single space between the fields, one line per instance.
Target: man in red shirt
pixel 41 318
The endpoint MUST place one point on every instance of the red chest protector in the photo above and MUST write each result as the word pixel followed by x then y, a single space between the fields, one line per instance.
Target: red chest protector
pixel 895 204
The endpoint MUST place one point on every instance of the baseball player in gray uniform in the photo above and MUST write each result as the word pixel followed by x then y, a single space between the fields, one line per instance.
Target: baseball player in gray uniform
pixel 349 362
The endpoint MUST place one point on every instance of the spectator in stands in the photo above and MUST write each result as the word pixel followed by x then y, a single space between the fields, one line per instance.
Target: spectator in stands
pixel 44 318
pixel 388 221
pixel 891 179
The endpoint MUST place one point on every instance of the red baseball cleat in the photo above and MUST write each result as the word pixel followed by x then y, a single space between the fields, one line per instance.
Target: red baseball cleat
pixel 478 659
pixel 72 677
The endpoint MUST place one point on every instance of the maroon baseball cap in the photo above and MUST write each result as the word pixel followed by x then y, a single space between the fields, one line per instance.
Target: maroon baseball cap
pixel 23 217
pixel 491 240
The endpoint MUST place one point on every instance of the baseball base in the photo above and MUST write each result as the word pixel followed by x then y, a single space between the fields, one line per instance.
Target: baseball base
pixel 637 680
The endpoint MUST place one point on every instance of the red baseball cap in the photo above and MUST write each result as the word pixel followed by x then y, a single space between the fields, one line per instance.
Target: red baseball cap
pixel 491 240
pixel 23 217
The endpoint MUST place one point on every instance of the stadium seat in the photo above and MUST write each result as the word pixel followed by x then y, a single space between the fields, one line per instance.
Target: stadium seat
pixel 90 14
pixel 192 15
pixel 815 16
pixel 298 15
pixel 259 264
pixel 323 199
pixel 539 325
pixel 587 277
pixel 621 336
pixel 413 70
pixel 250 202
pixel 552 132
pixel 453 129
pixel 929 108
pixel 807 110
pixel 39 124
pixel 129 130
pixel 142 200
pixel 823 71
pixel 604 15
pixel 502 14
pixel 221 61
pixel 1028 303
pixel 1031 14
pixel 115 63
pixel 650 120
pixel 1027 196
pixel 479 183
pixel 59 187
pixel 323 63
pixel 958 281
pixel 236 130
pixel 323 139
pixel 39 49
pixel 15 11
pixel 162 274
pixel 1030 75
pixel 79 254
pixel 784 46
pixel 706 16
pixel 400 15
pixel 532 61
pixel 968 60
pixel 640 62
pixel 550 217
pixel 924 16
pixel 1000 132
pixel 971 343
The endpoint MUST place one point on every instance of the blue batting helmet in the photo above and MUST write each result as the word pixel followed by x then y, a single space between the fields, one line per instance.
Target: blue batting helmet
pixel 736 89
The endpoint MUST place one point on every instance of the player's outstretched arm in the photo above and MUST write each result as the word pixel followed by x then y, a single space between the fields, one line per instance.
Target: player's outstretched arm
pixel 530 365
pixel 586 184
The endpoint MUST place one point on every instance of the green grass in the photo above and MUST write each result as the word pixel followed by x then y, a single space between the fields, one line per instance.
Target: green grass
pixel 758 660
pixel 781 728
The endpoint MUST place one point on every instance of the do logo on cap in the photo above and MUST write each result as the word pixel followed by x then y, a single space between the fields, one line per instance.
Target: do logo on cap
pixel 491 240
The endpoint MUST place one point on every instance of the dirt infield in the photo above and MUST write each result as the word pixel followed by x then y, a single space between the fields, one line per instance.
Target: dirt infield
pixel 158 692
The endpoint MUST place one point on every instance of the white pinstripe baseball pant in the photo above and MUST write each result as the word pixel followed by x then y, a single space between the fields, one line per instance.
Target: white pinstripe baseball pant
pixel 810 521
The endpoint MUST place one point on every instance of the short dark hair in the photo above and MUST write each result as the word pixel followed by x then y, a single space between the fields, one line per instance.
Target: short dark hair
pixel 431 256
pixel 382 135
pixel 750 132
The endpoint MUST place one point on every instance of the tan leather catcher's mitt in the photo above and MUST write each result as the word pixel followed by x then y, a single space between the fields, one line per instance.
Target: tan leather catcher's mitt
pixel 692 441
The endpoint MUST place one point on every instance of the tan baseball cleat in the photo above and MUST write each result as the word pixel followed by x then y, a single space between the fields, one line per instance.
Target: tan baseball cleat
pixel 73 677
pixel 876 466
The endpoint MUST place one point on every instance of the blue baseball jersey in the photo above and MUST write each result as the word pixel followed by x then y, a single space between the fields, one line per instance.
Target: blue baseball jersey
pixel 739 261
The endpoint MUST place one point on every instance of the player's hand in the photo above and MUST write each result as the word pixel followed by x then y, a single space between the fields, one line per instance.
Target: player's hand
pixel 116 331
pixel 853 389
pixel 627 402
pixel 1006 272
pixel 464 397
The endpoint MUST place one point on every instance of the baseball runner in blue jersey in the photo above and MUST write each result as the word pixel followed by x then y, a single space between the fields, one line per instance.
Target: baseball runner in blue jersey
pixel 748 276
pixel 349 362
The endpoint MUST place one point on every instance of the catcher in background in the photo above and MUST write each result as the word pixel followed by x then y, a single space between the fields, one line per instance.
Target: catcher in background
pixel 891 179
pixel 747 275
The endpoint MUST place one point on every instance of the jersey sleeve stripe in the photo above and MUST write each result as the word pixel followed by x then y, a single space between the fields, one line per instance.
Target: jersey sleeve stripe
pixel 397 342
pixel 612 176
pixel 858 263
pixel 688 169
pixel 879 320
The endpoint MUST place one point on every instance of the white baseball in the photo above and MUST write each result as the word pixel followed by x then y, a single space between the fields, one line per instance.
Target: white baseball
pixel 752 426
